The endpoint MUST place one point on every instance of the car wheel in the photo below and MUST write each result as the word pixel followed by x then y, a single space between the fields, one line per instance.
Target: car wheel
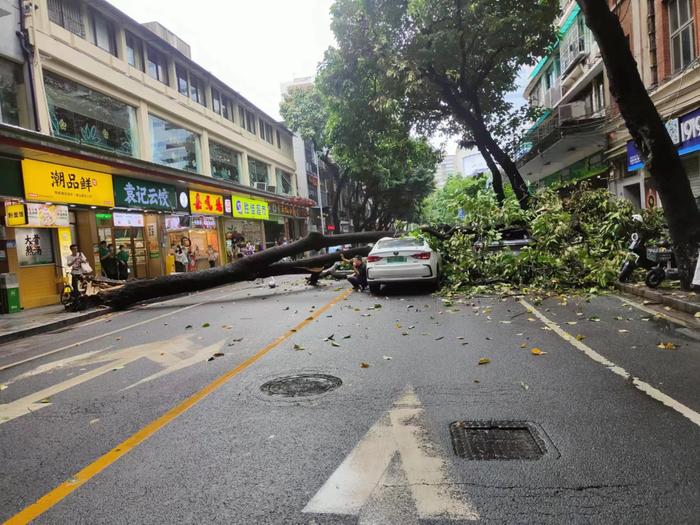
pixel 655 277
pixel 375 288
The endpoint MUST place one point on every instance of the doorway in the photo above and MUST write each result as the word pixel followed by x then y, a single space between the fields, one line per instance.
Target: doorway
pixel 133 241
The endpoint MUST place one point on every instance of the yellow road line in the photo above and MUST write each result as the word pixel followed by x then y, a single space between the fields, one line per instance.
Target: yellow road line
pixel 51 498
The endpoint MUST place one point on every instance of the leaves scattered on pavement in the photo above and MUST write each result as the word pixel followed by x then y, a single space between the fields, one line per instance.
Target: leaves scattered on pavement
pixel 484 361
pixel 667 346
pixel 537 351
pixel 364 365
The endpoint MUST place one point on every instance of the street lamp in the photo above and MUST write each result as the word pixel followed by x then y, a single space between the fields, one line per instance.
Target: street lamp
pixel 320 195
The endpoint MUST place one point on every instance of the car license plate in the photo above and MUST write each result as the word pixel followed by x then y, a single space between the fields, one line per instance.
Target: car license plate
pixel 396 259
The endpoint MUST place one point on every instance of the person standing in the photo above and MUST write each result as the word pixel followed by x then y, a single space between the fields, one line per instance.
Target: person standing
pixel 104 258
pixel 122 263
pixel 181 259
pixel 76 261
pixel 212 256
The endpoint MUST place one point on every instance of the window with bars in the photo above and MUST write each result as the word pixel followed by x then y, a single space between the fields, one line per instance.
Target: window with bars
pixel 284 182
pixel 66 13
pixel 225 162
pixel 258 171
pixel 680 21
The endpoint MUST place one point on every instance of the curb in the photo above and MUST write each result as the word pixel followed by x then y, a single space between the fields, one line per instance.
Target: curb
pixel 48 327
pixel 682 305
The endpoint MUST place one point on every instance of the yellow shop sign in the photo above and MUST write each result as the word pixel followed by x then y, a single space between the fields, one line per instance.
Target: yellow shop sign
pixel 46 181
pixel 206 203
pixel 15 215
pixel 244 208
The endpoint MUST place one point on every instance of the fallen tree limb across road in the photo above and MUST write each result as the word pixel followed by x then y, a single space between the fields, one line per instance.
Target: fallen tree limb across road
pixel 262 264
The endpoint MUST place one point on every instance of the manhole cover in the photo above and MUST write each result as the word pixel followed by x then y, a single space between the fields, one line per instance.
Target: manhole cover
pixel 496 440
pixel 301 385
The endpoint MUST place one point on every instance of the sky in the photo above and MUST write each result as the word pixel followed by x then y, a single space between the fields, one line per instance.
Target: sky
pixel 255 45
pixel 251 45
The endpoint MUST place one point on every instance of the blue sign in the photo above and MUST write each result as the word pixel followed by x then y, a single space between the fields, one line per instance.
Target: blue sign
pixel 460 214
pixel 685 133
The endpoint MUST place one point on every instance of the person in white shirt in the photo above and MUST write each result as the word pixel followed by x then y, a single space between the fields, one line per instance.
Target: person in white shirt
pixel 75 262
pixel 212 256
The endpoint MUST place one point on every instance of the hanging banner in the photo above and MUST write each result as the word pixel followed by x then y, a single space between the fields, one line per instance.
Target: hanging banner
pixel 133 193
pixel 244 208
pixel 208 203
pixel 46 181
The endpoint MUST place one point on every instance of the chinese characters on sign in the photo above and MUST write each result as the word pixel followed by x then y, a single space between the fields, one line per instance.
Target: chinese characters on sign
pixel 45 181
pixel 15 215
pixel 207 203
pixel 244 208
pixel 36 247
pixel 132 193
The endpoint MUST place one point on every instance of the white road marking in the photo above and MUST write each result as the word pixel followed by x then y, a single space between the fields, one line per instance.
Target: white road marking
pixel 615 369
pixel 363 473
pixel 107 334
pixel 174 354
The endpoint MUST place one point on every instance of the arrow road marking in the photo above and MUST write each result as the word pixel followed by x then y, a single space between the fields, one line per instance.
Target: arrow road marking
pixel 364 476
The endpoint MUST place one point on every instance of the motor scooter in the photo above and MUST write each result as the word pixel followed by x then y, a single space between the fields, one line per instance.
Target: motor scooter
pixel 637 256
pixel 665 267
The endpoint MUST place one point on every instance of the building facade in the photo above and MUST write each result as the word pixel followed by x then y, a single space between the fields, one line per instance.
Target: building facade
pixel 568 142
pixel 116 135
pixel 581 134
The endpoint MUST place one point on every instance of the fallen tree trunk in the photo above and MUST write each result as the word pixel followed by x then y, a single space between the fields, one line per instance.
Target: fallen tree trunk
pixel 248 268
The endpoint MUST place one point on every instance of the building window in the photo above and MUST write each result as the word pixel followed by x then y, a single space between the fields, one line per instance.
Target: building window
pixel 134 51
pixel 157 65
pixel 241 116
pixel 279 140
pixel 225 163
pixel 680 19
pixel 226 108
pixel 262 128
pixel 250 121
pixel 284 182
pixel 197 91
pixel 66 13
pixel 83 115
pixel 183 86
pixel 103 33
pixel 11 79
pixel 257 171
pixel 174 146
pixel 216 101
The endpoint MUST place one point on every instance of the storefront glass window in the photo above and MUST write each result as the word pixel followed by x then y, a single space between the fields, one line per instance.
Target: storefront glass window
pixel 10 80
pixel 224 162
pixel 284 182
pixel 83 115
pixel 174 146
pixel 258 171
pixel 34 246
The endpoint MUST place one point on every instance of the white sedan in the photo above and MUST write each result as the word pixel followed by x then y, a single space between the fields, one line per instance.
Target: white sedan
pixel 404 259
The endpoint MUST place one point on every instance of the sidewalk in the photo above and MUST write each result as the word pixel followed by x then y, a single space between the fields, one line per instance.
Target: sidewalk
pixel 688 302
pixel 39 320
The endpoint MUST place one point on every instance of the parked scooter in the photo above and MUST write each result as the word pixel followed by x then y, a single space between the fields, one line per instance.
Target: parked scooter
pixel 637 256
pixel 666 266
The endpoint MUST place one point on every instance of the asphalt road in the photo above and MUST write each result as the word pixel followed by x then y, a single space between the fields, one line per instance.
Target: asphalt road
pixel 156 415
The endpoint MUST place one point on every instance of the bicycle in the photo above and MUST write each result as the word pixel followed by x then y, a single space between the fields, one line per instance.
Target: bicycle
pixel 67 294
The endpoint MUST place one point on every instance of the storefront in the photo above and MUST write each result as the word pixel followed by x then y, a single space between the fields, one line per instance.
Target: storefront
pixel 201 230
pixel 685 134
pixel 247 224
pixel 287 221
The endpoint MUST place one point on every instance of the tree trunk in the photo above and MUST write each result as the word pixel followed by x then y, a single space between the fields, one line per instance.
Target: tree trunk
pixel 495 173
pixel 247 268
pixel 648 132
pixel 482 135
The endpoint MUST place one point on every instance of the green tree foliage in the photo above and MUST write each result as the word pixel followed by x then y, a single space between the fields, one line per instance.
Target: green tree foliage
pixel 578 241
pixel 443 205
pixel 451 62
pixel 347 116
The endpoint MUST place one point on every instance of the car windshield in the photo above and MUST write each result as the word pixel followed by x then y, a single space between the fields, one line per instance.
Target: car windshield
pixel 400 243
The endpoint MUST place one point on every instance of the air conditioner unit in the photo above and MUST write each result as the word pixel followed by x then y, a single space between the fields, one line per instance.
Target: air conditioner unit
pixel 272 189
pixel 572 111
pixel 260 186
